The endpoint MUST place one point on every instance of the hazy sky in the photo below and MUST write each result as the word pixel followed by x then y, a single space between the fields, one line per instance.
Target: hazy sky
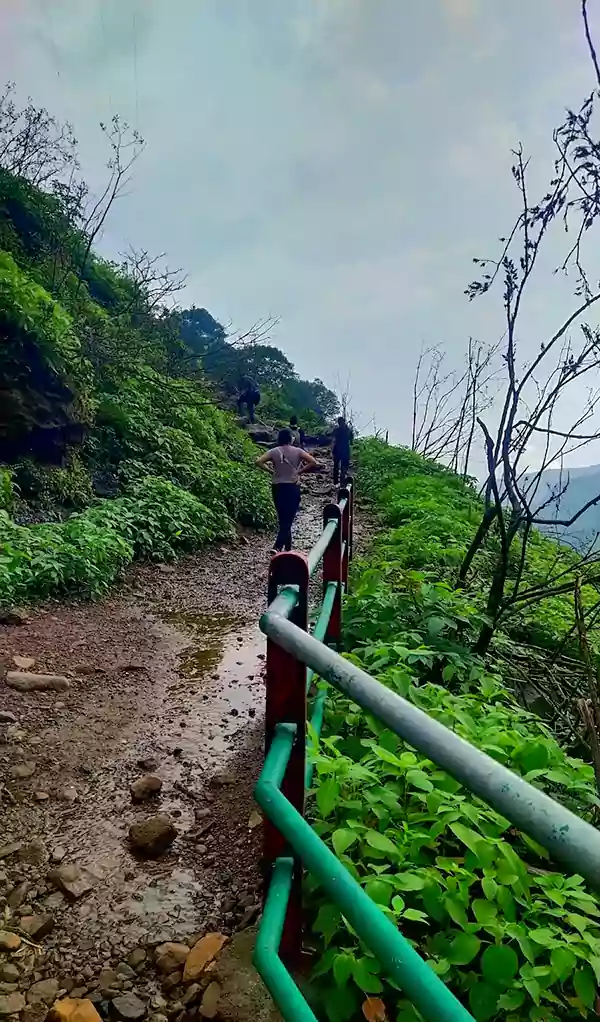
pixel 336 163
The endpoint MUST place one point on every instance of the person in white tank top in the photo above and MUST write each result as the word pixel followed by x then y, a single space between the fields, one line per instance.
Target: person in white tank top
pixel 286 463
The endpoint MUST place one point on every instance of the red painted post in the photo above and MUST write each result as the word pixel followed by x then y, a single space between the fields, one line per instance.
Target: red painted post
pixel 332 572
pixel 286 703
pixel 344 492
pixel 350 488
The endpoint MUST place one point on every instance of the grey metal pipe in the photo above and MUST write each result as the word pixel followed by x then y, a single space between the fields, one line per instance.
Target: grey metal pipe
pixel 315 555
pixel 570 839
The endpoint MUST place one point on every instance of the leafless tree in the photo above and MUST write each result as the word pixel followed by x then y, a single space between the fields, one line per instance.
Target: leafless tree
pixel 33 144
pixel 534 418
pixel 126 146
pixel 155 284
pixel 446 403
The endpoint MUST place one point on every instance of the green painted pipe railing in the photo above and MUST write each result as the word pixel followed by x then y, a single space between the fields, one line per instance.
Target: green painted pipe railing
pixel 570 839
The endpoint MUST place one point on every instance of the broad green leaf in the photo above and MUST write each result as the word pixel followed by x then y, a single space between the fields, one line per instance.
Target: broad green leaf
pixel 409 882
pixel 342 839
pixel 563 962
pixel 543 936
pixel 328 794
pixel 379 891
pixel 419 779
pixel 533 989
pixel 364 978
pixel 342 968
pixel 416 915
pixel 585 985
pixel 398 903
pixel 511 999
pixel 382 843
pixel 463 949
pixel 499 964
pixel 328 920
pixel 489 888
pixel 483 1001
pixel 484 911
pixel 469 837
pixel 456 911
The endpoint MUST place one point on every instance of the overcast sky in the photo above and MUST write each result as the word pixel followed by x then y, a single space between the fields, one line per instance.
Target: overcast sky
pixel 336 163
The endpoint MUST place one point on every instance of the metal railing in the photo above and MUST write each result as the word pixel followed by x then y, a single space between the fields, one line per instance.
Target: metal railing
pixel 294 658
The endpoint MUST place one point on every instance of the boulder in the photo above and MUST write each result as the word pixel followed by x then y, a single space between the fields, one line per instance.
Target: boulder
pixel 9 941
pixel 37 926
pixel 71 879
pixel 24 681
pixel 171 956
pixel 43 992
pixel 129 1006
pixel 202 953
pixel 145 787
pixel 153 836
pixel 73 1009
pixel 11 1004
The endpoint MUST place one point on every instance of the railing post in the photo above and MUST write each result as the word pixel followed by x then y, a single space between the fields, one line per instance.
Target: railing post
pixel 332 572
pixel 286 703
pixel 345 492
pixel 350 488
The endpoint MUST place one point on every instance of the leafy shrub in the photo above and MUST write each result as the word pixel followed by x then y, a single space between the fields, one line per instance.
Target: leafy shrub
pixel 86 553
pixel 512 936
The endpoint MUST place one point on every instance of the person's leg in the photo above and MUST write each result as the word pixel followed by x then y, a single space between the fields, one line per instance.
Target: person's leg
pixel 250 411
pixel 279 501
pixel 293 503
pixel 336 468
pixel 345 464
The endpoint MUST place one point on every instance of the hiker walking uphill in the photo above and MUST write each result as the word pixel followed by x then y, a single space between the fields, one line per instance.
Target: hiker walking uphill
pixel 342 442
pixel 248 395
pixel 287 464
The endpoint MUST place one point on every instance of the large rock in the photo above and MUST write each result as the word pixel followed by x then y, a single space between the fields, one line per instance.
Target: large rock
pixel 202 953
pixel 129 1006
pixel 9 941
pixel 14 616
pixel 171 956
pixel 43 992
pixel 71 879
pixel 11 1004
pixel 73 1009
pixel 24 681
pixel 209 1005
pixel 153 836
pixel 37 926
pixel 145 787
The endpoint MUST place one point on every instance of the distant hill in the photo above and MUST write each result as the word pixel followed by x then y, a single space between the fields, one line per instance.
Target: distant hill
pixel 583 485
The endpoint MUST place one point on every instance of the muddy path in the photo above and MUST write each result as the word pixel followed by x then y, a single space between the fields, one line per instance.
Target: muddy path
pixel 166 677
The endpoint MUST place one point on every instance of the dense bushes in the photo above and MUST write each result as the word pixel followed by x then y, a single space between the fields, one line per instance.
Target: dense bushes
pixel 85 553
pixel 513 936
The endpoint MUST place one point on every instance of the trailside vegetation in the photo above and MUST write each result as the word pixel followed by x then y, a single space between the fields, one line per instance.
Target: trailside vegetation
pixel 118 436
pixel 514 936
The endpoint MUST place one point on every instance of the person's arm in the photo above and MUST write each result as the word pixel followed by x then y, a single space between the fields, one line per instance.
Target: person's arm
pixel 307 462
pixel 264 459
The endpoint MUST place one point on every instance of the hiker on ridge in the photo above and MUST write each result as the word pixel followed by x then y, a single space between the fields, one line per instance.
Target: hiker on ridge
pixel 248 395
pixel 342 442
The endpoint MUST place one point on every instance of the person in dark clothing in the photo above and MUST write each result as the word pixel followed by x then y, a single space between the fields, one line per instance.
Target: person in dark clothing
pixel 342 442
pixel 249 395
pixel 287 464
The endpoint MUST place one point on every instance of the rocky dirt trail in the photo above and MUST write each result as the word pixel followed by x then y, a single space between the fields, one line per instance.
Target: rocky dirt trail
pixel 160 720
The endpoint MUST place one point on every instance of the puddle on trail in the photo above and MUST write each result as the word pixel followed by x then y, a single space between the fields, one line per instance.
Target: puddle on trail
pixel 219 694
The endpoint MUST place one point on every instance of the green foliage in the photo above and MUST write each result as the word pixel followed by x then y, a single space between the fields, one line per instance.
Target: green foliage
pixel 87 552
pixel 513 936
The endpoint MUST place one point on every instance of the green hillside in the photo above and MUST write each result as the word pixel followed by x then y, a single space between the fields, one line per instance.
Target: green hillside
pixel 117 430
